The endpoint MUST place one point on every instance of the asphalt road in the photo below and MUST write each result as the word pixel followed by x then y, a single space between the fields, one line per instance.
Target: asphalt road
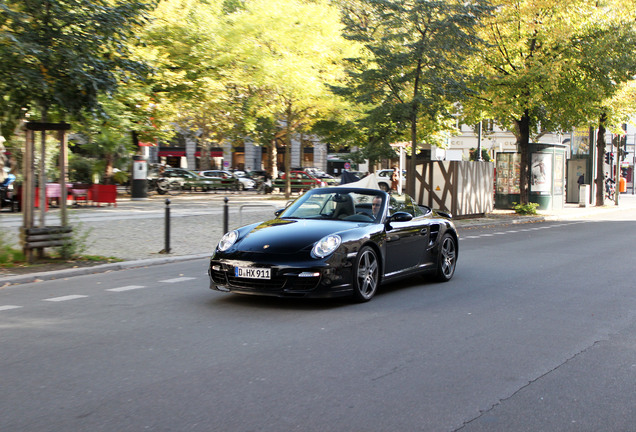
pixel 536 332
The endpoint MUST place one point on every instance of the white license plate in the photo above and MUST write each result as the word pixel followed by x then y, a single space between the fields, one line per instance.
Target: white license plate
pixel 253 273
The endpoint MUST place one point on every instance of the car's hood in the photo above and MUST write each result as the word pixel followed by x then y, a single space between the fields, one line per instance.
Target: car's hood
pixel 289 235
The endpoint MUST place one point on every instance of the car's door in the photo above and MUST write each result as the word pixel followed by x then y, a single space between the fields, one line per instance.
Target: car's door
pixel 406 242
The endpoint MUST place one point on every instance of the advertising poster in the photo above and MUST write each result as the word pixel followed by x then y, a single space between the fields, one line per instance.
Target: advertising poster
pixel 540 173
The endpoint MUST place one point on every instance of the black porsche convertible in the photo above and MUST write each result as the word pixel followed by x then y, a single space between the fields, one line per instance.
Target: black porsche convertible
pixel 336 241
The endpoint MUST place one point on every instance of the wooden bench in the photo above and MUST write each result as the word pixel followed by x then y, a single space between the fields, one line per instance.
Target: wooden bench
pixel 42 237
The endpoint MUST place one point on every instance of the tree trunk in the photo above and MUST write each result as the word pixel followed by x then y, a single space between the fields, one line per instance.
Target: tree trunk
pixel 108 171
pixel 412 164
pixel 600 161
pixel 272 162
pixel 288 144
pixel 204 162
pixel 523 141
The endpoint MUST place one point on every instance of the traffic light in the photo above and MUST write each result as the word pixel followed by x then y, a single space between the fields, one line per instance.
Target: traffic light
pixel 607 158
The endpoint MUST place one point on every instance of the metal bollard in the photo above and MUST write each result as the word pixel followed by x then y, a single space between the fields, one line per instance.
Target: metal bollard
pixel 166 248
pixel 225 215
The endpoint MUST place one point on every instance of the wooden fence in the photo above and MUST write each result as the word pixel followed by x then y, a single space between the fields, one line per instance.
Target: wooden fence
pixel 462 188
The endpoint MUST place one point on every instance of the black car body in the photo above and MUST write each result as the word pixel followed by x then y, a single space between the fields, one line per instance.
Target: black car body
pixel 329 243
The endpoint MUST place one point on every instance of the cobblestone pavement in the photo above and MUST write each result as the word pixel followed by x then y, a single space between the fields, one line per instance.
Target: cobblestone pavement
pixel 136 229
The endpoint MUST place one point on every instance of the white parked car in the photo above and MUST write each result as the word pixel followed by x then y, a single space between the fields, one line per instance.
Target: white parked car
pixel 244 182
pixel 384 179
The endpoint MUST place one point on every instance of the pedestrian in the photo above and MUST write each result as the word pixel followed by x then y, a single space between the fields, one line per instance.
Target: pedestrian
pixel 395 178
pixel 376 205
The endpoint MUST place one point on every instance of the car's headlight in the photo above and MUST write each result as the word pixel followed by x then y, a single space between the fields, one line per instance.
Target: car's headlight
pixel 228 240
pixel 326 245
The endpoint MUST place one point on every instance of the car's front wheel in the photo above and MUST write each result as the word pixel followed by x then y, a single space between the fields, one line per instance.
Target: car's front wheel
pixel 366 275
pixel 447 258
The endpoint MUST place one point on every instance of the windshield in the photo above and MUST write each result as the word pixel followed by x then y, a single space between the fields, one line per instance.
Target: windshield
pixel 359 205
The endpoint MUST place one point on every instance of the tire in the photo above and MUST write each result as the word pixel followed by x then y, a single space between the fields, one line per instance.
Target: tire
pixel 162 186
pixel 446 258
pixel 366 275
pixel 385 187
pixel 174 188
pixel 241 187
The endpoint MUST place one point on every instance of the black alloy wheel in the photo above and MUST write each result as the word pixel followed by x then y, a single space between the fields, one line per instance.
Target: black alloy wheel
pixel 366 275
pixel 447 258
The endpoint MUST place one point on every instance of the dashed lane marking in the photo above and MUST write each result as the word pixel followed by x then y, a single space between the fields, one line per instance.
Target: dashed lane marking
pixel 175 280
pixel 126 288
pixel 65 298
pixel 515 231
pixel 116 289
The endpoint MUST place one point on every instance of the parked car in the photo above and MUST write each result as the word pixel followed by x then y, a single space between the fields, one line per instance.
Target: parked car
pixel 336 241
pixel 328 179
pixel 241 182
pixel 301 178
pixel 180 178
pixel 384 179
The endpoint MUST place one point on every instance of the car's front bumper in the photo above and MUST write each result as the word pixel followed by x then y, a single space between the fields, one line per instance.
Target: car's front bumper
pixel 298 280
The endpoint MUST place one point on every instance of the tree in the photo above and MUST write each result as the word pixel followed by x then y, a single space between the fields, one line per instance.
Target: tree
pixel 60 55
pixel 285 54
pixel 545 67
pixel 415 73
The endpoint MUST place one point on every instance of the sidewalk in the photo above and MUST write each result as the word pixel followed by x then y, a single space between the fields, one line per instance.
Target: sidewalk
pixel 134 231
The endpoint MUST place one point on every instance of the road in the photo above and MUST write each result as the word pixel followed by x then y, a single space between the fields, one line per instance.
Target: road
pixel 536 332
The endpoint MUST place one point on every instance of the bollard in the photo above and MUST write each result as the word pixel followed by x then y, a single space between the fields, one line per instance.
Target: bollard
pixel 167 229
pixel 225 215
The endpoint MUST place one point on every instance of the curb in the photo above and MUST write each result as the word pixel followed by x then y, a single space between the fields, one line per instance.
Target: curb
pixel 101 268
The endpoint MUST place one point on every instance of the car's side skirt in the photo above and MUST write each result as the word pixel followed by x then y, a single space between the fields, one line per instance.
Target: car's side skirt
pixel 409 271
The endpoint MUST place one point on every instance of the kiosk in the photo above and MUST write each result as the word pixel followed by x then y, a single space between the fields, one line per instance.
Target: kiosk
pixel 546 177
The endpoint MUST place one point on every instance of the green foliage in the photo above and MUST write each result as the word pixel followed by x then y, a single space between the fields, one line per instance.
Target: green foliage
pixel 485 156
pixel 525 209
pixel 414 73
pixel 8 254
pixel 81 169
pixel 77 245
pixel 58 56
pixel 121 177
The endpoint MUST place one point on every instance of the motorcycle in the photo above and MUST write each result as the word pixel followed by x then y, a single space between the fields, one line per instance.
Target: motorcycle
pixel 7 194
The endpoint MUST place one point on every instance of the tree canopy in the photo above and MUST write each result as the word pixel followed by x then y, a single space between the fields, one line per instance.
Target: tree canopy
pixel 60 55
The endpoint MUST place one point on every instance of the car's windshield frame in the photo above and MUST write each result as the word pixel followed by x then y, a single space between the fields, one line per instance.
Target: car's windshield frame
pixel 348 204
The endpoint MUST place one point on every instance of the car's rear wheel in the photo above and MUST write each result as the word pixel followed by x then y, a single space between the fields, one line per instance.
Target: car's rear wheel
pixel 447 258
pixel 174 187
pixel 366 275
pixel 385 187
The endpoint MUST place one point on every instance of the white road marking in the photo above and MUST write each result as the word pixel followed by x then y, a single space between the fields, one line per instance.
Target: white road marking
pixel 65 298
pixel 126 288
pixel 9 307
pixel 522 230
pixel 175 280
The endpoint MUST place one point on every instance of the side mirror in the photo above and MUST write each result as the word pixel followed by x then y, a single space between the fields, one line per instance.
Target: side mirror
pixel 278 212
pixel 399 217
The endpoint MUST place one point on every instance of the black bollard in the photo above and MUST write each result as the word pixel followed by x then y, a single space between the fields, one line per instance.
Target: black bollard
pixel 167 230
pixel 225 215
